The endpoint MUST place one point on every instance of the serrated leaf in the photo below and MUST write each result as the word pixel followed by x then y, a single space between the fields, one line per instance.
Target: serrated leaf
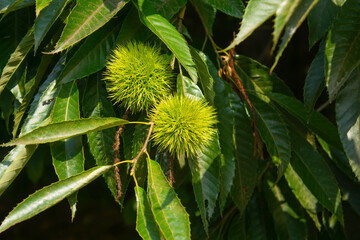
pixel 168 34
pixel 273 131
pixel 68 154
pixel 256 76
pixel 61 130
pixel 169 214
pixel 86 18
pixel 45 61
pixel 256 13
pixel 185 87
pixel 288 220
pixel 145 222
pixel 40 5
pixel 50 11
pixel 303 195
pixel 315 121
pixel 348 120
pixel 92 54
pixel 300 13
pixel 205 170
pixel 230 7
pixel 16 58
pixel 343 47
pixel 206 80
pixel 316 174
pixel 206 13
pixel 50 195
pixel 225 117
pixel 246 165
pixel 11 7
pixel 205 179
pixel 315 80
pixel 96 104
pixel 283 13
pixel 15 161
pixel 5 4
pixel 168 8
pixel 318 26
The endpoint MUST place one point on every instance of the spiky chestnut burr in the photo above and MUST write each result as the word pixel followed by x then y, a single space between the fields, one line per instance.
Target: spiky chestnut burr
pixel 183 125
pixel 138 76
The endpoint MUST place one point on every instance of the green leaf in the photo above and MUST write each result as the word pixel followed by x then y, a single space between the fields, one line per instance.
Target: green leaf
pixel 86 18
pixel 256 76
pixel 16 58
pixel 50 195
pixel 284 12
pixel 92 54
pixel 273 131
pixel 339 2
pixel 96 104
pixel 187 87
pixel 15 161
pixel 256 13
pixel 61 130
pixel 225 126
pixel 316 174
pixel 45 61
pixel 303 194
pixel 11 7
pixel 145 222
pixel 206 13
pixel 168 8
pixel 315 80
pixel 300 13
pixel 5 4
pixel 205 171
pixel 318 26
pixel 237 228
pixel 46 18
pixel 169 214
pixel 246 165
pixel 343 47
pixel 230 7
pixel 168 34
pixel 41 4
pixel 348 120
pixel 68 154
pixel 205 179
pixel 206 80
pixel 315 121
pixel 288 219
pixel 255 219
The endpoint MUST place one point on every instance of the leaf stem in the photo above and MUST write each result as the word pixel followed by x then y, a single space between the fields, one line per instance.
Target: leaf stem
pixel 143 149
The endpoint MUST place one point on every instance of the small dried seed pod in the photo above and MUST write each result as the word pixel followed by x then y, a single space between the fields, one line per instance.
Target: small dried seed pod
pixel 138 76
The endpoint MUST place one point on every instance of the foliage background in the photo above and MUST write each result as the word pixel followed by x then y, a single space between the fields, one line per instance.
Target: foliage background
pixel 97 205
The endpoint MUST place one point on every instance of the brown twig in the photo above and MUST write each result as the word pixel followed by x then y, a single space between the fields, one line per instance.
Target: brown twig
pixel 232 77
pixel 171 178
pixel 116 146
pixel 143 149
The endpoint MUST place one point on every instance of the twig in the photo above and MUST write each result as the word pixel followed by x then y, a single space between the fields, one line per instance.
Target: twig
pixel 116 155
pixel 323 106
pixel 171 178
pixel 143 149
pixel 179 26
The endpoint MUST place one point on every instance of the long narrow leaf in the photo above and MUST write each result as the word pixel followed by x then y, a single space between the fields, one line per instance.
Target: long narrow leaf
pixel 86 18
pixel 145 222
pixel 58 131
pixel 169 214
pixel 50 195
pixel 168 34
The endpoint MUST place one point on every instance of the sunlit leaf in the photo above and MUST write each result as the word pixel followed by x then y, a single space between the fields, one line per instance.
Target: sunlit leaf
pixel 61 130
pixel 50 195
pixel 256 13
pixel 86 18
pixel 168 34
pixel 16 58
pixel 169 214
pixel 348 120
pixel 67 155
pixel 145 222
pixel 343 47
